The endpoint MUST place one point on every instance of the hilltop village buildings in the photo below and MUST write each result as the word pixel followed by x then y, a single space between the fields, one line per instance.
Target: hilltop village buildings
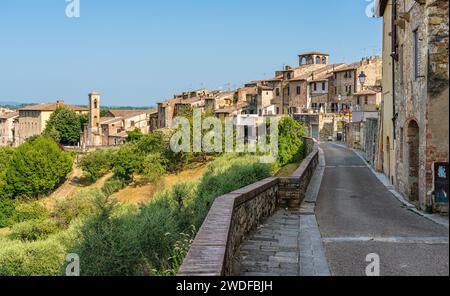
pixel 325 93
pixel 412 146
pixel 394 107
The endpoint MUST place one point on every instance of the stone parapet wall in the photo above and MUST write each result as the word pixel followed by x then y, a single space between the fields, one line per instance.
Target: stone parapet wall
pixel 233 217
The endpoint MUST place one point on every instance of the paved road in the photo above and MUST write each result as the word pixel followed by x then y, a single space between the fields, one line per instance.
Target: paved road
pixel 358 216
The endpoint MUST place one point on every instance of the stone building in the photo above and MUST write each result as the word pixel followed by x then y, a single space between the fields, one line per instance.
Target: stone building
pixel 112 129
pixel 33 119
pixel 7 120
pixel 386 160
pixel 421 77
pixel 365 104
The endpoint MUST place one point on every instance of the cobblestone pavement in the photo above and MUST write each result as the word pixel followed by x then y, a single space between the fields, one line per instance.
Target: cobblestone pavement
pixel 274 249
pixel 289 243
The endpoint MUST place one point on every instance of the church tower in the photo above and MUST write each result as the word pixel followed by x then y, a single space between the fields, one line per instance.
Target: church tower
pixel 94 111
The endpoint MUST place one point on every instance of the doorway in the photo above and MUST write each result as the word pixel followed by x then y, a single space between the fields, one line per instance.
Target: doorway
pixel 413 160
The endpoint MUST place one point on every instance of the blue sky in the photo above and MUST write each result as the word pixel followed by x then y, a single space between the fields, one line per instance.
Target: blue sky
pixel 139 52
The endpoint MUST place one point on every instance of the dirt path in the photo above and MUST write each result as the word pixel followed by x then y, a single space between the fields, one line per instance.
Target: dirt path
pixel 144 193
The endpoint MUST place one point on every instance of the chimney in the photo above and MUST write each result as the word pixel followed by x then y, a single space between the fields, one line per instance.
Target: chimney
pixel 59 103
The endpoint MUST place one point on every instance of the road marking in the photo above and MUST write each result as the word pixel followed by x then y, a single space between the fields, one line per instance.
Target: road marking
pixel 394 240
pixel 347 166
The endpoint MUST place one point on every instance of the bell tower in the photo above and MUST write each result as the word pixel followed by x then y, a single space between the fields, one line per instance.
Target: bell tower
pixel 94 110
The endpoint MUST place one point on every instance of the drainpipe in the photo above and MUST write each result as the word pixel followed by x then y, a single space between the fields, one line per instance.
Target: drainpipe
pixel 395 57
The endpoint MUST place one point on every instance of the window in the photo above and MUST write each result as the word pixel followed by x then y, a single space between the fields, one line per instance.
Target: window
pixel 358 100
pixel 288 90
pixel 350 89
pixel 324 60
pixel 366 100
pixel 416 54
pixel 350 74
pixel 277 91
pixel 315 86
pixel 288 75
pixel 317 60
pixel 133 123
pixel 278 110
pixel 323 86
pixel 314 106
pixel 95 104
pixel 299 90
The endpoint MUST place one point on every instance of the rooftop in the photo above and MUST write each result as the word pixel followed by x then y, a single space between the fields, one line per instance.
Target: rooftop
pixel 51 107
pixel 9 115
pixel 313 53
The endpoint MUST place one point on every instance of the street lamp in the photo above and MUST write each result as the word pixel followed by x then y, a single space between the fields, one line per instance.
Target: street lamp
pixel 362 79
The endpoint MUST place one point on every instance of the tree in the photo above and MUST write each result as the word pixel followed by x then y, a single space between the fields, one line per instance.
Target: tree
pixel 153 167
pixel 36 168
pixel 128 163
pixel 135 135
pixel 290 143
pixel 6 154
pixel 84 119
pixel 97 163
pixel 64 126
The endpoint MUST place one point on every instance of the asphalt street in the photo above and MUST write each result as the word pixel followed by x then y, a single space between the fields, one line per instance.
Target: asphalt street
pixel 357 216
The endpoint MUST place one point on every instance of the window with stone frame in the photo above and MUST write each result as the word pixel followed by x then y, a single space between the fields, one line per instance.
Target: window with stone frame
pixel 299 90
pixel 323 85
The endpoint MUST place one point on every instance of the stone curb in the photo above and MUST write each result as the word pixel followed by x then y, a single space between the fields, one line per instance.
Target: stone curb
pixel 382 178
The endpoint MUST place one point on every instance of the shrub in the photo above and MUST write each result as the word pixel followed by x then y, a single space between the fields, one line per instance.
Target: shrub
pixel 6 154
pixel 153 167
pixel 223 176
pixel 33 230
pixel 135 135
pixel 128 162
pixel 27 211
pixel 97 163
pixel 157 232
pixel 79 205
pixel 36 168
pixel 40 258
pixel 7 210
pixel 113 185
pixel 290 145
pixel 109 246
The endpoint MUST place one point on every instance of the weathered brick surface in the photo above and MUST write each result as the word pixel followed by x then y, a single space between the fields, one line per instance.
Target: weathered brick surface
pixel 234 216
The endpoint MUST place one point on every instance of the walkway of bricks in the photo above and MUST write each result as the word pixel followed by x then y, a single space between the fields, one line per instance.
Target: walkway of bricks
pixel 289 243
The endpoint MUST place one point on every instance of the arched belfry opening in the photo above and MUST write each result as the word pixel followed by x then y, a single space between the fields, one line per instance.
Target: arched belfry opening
pixel 313 58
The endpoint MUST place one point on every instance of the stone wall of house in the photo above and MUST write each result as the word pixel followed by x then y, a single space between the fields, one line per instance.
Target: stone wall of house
pixel 437 149
pixel 371 127
pixel 234 216
pixel 421 98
